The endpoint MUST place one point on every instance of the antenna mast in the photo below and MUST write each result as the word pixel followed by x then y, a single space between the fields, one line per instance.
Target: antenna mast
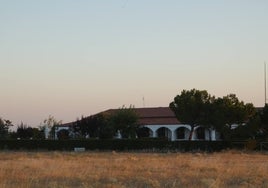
pixel 265 98
pixel 143 101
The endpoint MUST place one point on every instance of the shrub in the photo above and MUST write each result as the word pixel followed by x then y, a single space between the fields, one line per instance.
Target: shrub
pixel 114 144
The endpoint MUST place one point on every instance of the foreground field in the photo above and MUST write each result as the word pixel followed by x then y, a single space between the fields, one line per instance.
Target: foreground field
pixel 111 169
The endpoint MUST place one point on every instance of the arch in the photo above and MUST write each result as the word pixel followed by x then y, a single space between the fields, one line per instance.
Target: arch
pixel 200 133
pixel 164 132
pixel 63 134
pixel 182 133
pixel 144 132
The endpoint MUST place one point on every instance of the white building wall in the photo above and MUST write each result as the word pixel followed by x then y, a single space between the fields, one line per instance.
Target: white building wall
pixel 173 128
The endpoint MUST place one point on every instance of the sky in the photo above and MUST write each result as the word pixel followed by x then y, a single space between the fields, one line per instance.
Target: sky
pixel 69 58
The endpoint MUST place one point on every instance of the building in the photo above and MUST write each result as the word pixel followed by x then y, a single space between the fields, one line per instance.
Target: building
pixel 161 122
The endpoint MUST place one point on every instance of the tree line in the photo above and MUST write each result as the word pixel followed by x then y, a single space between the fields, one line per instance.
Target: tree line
pixel 103 126
pixel 23 131
pixel 122 122
pixel 228 115
pixel 232 118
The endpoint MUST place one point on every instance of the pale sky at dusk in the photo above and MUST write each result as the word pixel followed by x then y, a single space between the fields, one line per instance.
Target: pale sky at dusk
pixel 69 58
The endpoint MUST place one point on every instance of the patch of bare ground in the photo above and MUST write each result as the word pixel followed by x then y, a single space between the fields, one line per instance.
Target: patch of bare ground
pixel 127 170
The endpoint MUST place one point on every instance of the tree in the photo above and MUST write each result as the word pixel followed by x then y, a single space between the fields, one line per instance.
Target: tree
pixel 88 126
pixel 50 123
pixel 4 127
pixel 38 134
pixel 125 121
pixel 250 130
pixel 229 111
pixel 193 108
pixel 107 131
pixel 26 132
pixel 105 125
pixel 263 114
pixel 196 108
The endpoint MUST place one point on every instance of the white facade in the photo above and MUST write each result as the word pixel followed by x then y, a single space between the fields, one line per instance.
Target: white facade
pixel 161 122
pixel 176 132
pixel 181 132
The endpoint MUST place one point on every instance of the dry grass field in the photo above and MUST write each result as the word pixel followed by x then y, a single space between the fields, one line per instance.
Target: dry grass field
pixel 116 170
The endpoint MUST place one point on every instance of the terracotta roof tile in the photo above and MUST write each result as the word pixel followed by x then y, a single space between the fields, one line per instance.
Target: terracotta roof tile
pixel 156 116
pixel 151 116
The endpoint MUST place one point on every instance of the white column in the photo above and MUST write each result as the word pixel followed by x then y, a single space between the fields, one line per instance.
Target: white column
pixel 46 132
pixel 154 134
pixel 173 135
pixel 213 135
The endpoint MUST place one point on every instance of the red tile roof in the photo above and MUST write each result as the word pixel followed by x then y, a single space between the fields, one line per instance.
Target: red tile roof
pixel 150 116
pixel 153 116
pixel 156 116
pixel 155 112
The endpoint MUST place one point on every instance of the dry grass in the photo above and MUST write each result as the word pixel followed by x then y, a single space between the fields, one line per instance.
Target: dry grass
pixel 111 169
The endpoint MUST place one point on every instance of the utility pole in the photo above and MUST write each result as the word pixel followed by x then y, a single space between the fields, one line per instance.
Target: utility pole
pixel 265 98
pixel 143 101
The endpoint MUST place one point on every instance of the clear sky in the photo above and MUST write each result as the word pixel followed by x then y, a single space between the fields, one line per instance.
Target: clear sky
pixel 69 58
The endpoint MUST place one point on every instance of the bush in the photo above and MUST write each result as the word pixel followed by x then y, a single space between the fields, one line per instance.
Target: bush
pixel 114 144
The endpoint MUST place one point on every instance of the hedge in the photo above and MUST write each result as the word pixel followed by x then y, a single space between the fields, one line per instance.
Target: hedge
pixel 117 145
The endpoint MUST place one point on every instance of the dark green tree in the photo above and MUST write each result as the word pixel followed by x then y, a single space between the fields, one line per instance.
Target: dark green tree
pixel 249 130
pixel 38 134
pixel 26 132
pixel 88 126
pixel 125 121
pixel 193 108
pixel 196 108
pixel 263 114
pixel 229 111
pixel 4 127
pixel 107 131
